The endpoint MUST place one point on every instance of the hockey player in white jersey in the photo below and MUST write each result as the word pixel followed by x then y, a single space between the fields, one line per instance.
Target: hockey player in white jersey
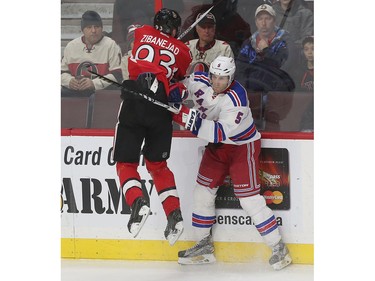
pixel 222 116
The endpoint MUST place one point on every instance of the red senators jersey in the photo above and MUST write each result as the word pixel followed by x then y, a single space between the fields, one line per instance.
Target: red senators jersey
pixel 159 53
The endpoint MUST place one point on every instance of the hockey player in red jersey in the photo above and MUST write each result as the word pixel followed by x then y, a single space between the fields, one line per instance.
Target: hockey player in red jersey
pixel 157 57
pixel 222 116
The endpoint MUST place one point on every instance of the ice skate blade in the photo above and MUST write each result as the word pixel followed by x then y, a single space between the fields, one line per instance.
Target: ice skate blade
pixel 173 237
pixel 136 227
pixel 202 259
pixel 284 263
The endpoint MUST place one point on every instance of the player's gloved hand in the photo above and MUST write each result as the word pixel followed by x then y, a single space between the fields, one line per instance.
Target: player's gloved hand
pixel 177 93
pixel 189 118
pixel 128 85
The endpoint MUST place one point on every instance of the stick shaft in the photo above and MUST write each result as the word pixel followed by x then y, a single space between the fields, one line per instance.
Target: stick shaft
pixel 183 34
pixel 167 107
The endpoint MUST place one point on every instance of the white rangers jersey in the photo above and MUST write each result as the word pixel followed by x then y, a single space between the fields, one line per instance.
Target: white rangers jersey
pixel 202 58
pixel 226 117
pixel 104 58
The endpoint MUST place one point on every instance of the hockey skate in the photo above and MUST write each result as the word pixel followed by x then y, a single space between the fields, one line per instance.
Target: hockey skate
pixel 201 253
pixel 140 210
pixel 175 227
pixel 280 256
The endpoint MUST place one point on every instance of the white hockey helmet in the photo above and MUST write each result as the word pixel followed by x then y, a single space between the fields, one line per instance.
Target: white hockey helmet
pixel 223 66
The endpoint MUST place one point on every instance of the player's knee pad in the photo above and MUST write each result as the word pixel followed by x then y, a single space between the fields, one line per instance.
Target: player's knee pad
pixel 124 167
pixel 203 216
pixel 204 198
pixel 160 173
pixel 253 204
pixel 127 172
pixel 164 181
pixel 155 167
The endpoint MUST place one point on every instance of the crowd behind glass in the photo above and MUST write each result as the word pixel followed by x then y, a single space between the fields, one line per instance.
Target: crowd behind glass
pixel 279 76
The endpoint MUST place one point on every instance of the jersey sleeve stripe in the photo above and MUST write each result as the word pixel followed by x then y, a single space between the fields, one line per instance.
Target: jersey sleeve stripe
pixel 238 100
pixel 246 134
pixel 219 134
pixel 202 77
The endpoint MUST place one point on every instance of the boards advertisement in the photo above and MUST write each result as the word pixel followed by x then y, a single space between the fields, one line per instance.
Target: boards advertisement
pixel 92 205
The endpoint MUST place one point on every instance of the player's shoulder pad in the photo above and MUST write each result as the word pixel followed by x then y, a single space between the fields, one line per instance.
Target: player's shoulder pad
pixel 202 77
pixel 238 95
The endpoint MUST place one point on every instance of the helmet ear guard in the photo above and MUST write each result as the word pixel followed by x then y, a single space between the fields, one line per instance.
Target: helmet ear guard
pixel 166 20
pixel 223 66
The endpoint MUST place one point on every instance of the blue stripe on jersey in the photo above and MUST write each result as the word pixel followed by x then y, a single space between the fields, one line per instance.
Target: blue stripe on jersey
pixel 219 134
pixel 202 77
pixel 238 95
pixel 246 134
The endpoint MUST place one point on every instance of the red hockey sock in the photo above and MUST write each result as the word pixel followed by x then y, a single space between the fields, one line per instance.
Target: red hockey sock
pixel 130 181
pixel 165 185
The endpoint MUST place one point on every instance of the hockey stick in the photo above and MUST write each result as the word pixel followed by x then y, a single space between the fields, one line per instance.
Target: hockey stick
pixel 183 34
pixel 150 99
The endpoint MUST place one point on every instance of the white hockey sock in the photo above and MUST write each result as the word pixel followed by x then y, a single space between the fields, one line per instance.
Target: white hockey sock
pixel 263 218
pixel 203 216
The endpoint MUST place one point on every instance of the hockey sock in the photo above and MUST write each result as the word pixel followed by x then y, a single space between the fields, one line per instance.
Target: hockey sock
pixel 203 216
pixel 263 217
pixel 130 181
pixel 165 185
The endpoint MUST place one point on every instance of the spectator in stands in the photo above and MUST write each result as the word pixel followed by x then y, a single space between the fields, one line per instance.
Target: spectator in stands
pixel 294 17
pixel 305 81
pixel 306 69
pixel 230 26
pixel 247 10
pixel 130 44
pixel 206 48
pixel 92 51
pixel 262 55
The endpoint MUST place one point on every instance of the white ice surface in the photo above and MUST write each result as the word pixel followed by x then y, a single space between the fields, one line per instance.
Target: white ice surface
pixel 95 270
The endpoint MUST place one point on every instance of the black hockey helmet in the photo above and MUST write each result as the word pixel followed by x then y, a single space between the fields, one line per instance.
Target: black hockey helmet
pixel 166 20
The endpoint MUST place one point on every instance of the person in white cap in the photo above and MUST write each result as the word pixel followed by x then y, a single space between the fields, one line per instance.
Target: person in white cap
pixel 262 56
pixel 222 116
pixel 269 43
